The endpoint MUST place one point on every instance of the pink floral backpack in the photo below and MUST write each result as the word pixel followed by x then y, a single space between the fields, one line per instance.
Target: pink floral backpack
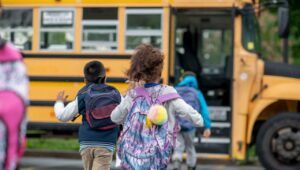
pixel 140 147
pixel 13 99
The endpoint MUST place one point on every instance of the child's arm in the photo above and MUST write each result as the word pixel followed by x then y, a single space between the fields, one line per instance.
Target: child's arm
pixel 204 110
pixel 184 110
pixel 63 113
pixel 119 113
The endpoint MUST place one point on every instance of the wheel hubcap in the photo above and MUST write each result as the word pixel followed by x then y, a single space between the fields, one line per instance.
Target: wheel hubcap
pixel 289 145
pixel 286 146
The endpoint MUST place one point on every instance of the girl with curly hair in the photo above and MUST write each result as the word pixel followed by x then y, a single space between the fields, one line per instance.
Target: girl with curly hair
pixel 148 114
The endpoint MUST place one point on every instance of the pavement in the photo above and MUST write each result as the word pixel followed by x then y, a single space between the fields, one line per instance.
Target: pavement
pixel 43 163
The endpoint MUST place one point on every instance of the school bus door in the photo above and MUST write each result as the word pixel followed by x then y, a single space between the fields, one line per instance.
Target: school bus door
pixel 201 41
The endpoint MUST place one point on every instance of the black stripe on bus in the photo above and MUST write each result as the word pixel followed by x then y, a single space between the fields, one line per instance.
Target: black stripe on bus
pixel 41 103
pixel 77 56
pixel 73 79
pixel 53 126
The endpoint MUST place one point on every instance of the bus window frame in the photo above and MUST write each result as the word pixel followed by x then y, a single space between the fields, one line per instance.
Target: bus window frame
pixel 41 10
pixel 27 30
pixel 144 33
pixel 99 23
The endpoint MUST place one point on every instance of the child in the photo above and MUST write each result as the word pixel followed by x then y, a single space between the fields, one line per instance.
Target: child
pixel 95 101
pixel 13 101
pixel 188 90
pixel 148 114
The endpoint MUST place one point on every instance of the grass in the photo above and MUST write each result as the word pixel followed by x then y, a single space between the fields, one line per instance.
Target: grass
pixel 54 144
pixel 252 152
pixel 251 157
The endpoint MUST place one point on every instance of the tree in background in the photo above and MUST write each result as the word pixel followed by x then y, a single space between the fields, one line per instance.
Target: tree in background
pixel 295 30
pixel 271 43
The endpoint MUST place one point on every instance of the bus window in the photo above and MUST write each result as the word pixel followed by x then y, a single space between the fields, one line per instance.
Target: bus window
pixel 143 26
pixel 100 27
pixel 216 46
pixel 16 27
pixel 57 29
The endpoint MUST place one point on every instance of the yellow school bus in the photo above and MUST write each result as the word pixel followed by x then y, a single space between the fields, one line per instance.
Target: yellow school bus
pixel 251 101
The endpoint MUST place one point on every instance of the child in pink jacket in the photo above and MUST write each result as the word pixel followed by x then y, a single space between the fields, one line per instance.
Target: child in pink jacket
pixel 13 99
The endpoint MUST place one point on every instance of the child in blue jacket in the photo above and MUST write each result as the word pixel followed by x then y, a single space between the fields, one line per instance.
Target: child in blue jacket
pixel 187 134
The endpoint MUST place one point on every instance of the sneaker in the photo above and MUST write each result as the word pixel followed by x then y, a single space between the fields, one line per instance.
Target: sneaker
pixel 192 168
pixel 177 165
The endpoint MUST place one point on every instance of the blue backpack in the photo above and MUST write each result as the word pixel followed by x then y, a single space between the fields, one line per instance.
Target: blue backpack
pixel 141 147
pixel 100 100
pixel 190 96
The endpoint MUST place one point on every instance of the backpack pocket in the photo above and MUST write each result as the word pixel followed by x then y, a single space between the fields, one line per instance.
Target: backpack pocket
pixel 137 156
pixel 103 112
pixel 98 110
pixel 141 148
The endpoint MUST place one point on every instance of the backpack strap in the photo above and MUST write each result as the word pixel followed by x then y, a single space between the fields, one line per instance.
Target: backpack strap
pixel 167 97
pixel 89 89
pixel 142 92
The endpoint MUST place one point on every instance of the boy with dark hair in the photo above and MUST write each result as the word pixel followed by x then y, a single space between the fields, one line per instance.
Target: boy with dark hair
pixel 95 101
pixel 94 71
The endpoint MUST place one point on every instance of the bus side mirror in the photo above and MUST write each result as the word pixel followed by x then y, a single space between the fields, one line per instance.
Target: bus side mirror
pixel 283 22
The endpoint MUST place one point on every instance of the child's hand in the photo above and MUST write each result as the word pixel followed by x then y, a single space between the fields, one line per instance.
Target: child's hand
pixel 61 97
pixel 206 133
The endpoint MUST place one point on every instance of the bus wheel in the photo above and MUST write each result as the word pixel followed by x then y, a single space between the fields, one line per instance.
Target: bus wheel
pixel 278 142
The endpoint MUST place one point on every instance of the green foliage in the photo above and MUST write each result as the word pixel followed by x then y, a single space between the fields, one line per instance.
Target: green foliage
pixel 271 46
pixel 53 144
pixel 271 43
pixel 295 32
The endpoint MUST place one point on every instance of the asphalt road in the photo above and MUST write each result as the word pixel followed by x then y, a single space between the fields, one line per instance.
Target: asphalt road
pixel 35 163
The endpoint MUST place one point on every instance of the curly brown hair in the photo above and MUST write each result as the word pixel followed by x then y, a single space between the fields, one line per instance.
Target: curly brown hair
pixel 146 64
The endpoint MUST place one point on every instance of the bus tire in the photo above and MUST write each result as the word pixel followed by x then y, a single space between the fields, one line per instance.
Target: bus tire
pixel 278 142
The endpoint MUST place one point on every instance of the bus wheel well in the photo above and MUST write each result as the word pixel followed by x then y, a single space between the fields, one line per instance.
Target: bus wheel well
pixel 255 130
pixel 268 112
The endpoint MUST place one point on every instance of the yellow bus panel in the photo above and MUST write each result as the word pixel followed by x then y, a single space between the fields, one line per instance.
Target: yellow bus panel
pixel 139 3
pixel 202 3
pixel 47 91
pixel 72 67
pixel 44 114
pixel 86 2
